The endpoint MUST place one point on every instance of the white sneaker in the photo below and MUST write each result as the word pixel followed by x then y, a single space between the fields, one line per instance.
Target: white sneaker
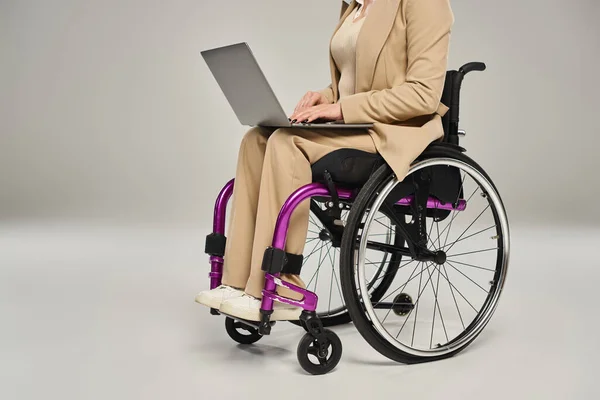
pixel 214 298
pixel 248 308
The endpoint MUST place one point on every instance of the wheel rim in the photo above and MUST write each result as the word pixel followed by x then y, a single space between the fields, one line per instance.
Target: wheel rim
pixel 320 264
pixel 428 274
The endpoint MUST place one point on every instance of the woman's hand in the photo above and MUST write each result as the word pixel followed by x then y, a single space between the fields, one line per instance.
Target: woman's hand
pixel 329 112
pixel 310 99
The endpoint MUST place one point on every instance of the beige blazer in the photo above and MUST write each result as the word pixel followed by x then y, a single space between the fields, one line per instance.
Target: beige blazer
pixel 401 62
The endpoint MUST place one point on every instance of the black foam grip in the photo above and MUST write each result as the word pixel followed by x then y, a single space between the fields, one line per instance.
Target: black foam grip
pixel 455 102
pixel 294 264
pixel 473 66
pixel 215 244
pixel 277 261
pixel 274 260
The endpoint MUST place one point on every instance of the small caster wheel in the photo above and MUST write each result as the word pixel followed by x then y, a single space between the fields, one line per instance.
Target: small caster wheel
pixel 316 359
pixel 403 304
pixel 241 333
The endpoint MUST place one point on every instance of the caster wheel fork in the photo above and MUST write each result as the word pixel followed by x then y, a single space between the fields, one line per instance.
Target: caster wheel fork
pixel 319 350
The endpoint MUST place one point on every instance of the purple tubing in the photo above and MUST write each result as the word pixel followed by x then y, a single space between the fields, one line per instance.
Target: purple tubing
pixel 317 189
pixel 305 192
pixel 221 208
pixel 216 263
pixel 309 302
pixel 435 203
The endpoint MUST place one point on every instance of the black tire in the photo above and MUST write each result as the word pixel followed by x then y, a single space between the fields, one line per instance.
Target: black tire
pixel 351 293
pixel 235 330
pixel 308 346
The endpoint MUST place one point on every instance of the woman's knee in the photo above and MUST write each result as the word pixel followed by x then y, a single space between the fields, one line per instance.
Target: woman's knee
pixel 255 137
pixel 281 139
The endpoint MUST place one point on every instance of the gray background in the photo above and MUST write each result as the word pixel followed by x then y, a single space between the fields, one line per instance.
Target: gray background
pixel 109 113
pixel 115 139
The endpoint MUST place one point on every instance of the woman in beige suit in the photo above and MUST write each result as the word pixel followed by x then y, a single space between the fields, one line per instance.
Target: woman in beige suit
pixel 388 62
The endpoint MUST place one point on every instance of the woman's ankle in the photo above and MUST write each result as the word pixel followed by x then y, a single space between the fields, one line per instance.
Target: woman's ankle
pixel 235 287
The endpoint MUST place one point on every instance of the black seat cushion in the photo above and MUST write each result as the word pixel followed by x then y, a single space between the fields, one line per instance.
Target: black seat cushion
pixel 350 168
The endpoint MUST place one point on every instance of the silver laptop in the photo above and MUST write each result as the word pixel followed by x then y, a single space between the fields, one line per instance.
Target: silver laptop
pixel 242 81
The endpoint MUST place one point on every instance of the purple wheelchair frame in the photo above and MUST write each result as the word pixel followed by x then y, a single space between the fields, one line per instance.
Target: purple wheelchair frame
pixel 310 299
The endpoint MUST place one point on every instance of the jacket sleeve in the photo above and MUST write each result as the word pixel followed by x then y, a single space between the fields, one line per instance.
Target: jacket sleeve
pixel 428 26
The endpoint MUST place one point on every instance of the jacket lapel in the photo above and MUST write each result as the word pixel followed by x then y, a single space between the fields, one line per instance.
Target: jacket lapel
pixel 372 37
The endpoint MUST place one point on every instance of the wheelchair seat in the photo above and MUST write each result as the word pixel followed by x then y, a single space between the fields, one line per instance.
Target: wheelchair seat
pixel 352 168
pixel 349 168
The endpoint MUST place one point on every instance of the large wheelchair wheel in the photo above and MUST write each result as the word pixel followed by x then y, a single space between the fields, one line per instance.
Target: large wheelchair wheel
pixel 433 309
pixel 321 263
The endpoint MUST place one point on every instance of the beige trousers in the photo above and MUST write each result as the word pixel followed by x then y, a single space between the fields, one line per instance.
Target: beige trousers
pixel 271 166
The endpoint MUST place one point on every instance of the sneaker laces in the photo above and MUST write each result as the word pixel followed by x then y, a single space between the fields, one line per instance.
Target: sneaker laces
pixel 227 288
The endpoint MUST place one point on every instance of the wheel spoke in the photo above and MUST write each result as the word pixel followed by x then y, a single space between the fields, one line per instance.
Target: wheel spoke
pixel 316 274
pixel 333 275
pixel 417 306
pixel 395 291
pixel 473 266
pixel 319 267
pixel 337 283
pixel 378 220
pixel 478 285
pixel 468 227
pixel 471 252
pixel 435 293
pixel 313 251
pixel 470 236
pixel 455 288
pixel 404 285
pixel 454 297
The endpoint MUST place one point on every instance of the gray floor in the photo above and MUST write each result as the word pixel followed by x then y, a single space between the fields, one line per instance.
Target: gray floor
pixel 109 314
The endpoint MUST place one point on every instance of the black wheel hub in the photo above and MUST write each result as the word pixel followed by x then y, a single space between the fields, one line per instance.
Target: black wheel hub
pixel 325 236
pixel 440 257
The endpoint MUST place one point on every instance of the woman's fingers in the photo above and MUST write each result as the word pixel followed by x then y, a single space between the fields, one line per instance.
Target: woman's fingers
pixel 328 112
pixel 301 104
pixel 308 100
pixel 301 115
pixel 310 114
pixel 311 99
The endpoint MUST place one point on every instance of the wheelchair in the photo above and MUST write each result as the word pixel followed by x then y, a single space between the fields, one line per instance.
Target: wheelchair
pixel 417 265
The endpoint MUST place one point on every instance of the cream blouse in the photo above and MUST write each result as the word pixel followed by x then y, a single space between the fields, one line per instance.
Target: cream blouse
pixel 343 51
